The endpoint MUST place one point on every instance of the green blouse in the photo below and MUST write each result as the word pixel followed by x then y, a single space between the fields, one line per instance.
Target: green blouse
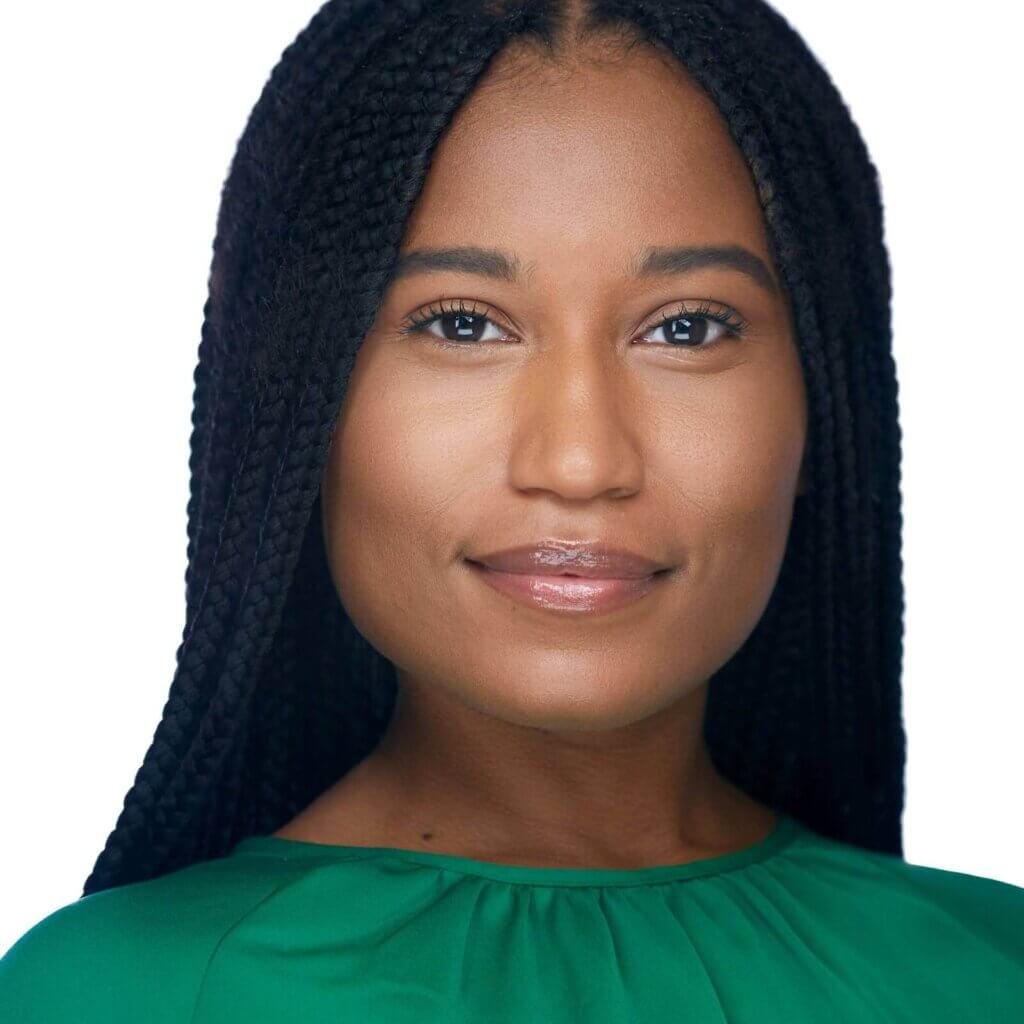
pixel 797 928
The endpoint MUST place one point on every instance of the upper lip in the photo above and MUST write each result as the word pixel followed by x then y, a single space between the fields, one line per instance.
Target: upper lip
pixel 576 558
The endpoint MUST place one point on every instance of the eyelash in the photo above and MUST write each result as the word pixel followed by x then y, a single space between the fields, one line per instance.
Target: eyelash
pixel 419 321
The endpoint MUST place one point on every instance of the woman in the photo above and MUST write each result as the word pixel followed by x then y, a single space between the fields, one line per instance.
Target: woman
pixel 544 602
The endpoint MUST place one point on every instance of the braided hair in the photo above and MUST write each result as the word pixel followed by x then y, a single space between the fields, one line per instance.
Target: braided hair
pixel 275 694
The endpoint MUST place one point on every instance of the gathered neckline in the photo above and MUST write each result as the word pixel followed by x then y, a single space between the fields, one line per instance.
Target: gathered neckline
pixel 785 830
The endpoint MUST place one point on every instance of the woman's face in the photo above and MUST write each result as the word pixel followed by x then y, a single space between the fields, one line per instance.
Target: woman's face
pixel 572 401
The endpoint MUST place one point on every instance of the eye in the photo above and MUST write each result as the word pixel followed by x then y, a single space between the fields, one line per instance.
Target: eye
pixel 457 323
pixel 698 328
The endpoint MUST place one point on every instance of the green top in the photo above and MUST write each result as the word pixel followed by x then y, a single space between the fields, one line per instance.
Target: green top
pixel 797 928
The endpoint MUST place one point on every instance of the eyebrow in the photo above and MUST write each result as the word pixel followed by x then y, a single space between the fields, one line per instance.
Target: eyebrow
pixel 656 262
pixel 653 261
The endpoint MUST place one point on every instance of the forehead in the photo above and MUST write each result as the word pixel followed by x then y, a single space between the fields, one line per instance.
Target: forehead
pixel 587 155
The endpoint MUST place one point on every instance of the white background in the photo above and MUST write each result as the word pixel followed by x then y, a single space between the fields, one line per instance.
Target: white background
pixel 119 123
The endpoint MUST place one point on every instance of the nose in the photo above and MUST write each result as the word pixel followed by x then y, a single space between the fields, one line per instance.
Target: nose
pixel 575 425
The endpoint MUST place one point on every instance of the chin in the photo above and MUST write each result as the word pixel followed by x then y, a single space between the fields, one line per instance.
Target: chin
pixel 569 710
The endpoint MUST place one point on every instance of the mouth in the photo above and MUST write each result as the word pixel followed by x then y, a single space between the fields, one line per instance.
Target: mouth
pixel 569 592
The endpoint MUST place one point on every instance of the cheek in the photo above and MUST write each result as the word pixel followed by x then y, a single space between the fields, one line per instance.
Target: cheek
pixel 403 461
pixel 729 467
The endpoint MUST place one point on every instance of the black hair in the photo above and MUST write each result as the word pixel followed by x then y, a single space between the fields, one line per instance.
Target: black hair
pixel 275 694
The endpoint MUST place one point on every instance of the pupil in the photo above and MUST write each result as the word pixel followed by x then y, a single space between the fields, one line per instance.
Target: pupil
pixel 465 326
pixel 682 328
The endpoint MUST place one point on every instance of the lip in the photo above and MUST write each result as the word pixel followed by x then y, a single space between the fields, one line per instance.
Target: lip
pixel 569 576
pixel 575 558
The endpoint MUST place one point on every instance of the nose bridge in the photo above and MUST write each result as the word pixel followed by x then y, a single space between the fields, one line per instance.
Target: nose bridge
pixel 576 421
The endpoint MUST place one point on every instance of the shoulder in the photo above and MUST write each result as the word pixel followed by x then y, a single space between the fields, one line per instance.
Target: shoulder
pixel 953 910
pixel 135 952
pixel 991 909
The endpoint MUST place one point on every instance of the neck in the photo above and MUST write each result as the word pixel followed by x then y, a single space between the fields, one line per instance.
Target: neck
pixel 451 778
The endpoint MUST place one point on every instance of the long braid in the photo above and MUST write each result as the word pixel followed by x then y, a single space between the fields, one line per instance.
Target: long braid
pixel 276 694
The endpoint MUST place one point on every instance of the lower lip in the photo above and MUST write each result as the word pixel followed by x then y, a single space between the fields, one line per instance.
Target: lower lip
pixel 567 593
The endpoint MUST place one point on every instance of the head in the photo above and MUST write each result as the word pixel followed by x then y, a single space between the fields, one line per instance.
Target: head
pixel 610 273
pixel 604 388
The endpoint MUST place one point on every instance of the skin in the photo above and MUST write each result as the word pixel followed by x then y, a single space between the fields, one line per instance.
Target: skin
pixel 523 735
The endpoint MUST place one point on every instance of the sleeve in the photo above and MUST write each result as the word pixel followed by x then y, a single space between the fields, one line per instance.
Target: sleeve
pixel 87 962
pixel 134 954
pixel 989 907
